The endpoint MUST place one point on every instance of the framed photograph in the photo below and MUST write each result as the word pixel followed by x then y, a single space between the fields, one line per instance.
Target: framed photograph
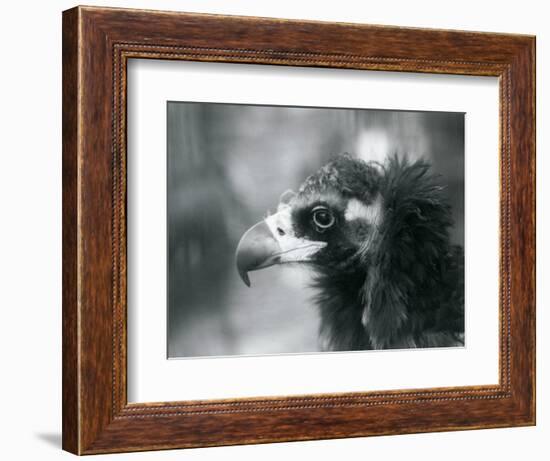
pixel 282 230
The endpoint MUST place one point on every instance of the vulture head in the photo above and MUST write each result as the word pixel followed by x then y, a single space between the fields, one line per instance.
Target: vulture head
pixel 377 238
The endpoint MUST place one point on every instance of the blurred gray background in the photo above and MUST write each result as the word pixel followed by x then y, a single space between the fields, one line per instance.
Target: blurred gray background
pixel 227 166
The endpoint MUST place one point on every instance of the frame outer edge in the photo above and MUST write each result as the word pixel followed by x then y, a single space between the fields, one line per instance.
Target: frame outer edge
pixel 522 240
pixel 70 273
pixel 534 216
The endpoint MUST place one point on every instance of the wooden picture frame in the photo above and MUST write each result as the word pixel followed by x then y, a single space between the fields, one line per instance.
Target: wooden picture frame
pixel 97 44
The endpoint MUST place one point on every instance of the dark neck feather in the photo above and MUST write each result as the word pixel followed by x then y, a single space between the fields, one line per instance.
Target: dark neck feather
pixel 341 307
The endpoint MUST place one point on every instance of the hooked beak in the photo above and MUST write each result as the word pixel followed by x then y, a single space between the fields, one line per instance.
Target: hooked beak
pixel 272 241
pixel 257 249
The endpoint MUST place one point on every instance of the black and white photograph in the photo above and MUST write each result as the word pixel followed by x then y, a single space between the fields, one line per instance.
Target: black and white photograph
pixel 311 229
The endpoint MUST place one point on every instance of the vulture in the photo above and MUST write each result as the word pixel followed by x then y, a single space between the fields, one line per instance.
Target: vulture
pixel 377 238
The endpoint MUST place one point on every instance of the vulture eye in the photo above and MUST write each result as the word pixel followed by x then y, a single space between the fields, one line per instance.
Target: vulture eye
pixel 322 218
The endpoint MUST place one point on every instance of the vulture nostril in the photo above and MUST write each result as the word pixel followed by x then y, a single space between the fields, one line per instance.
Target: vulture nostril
pixel 280 231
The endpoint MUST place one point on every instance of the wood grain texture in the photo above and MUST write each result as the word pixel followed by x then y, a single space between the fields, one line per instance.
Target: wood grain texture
pixel 97 43
pixel 70 385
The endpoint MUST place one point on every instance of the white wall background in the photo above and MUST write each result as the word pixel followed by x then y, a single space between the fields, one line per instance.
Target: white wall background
pixel 30 227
